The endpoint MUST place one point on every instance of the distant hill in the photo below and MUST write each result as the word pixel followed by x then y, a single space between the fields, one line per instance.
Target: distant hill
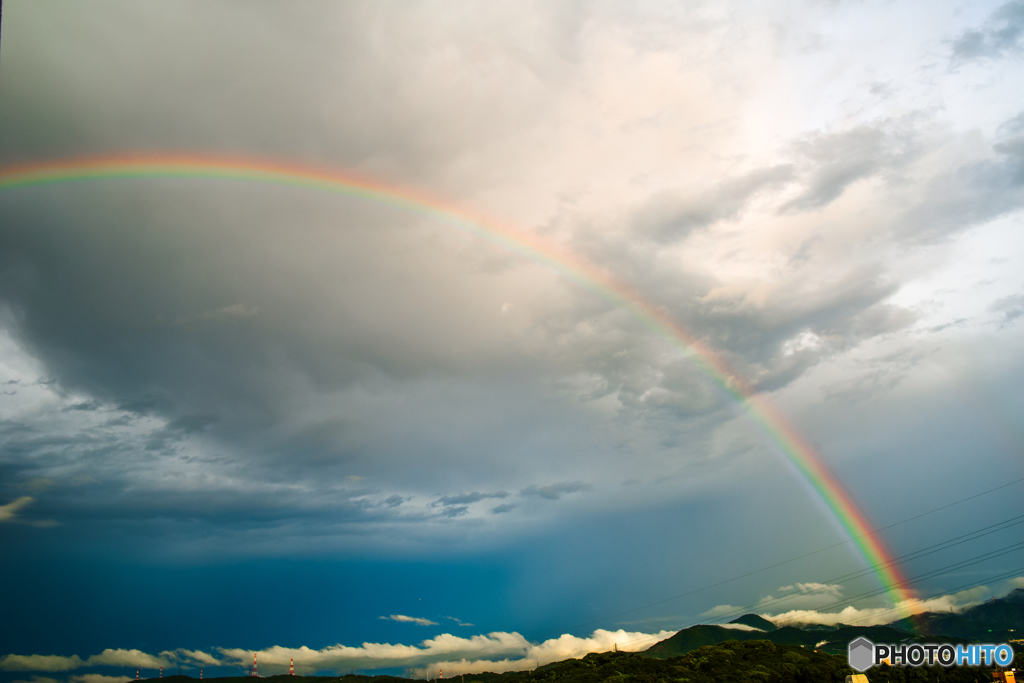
pixel 755 621
pixel 996 619
pixel 689 639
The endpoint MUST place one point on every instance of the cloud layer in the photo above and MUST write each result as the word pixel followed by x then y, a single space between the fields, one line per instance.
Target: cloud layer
pixel 492 652
pixel 182 323
pixel 410 620
pixel 200 371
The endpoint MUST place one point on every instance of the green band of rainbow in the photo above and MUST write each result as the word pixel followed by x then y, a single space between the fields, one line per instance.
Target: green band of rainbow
pixel 782 434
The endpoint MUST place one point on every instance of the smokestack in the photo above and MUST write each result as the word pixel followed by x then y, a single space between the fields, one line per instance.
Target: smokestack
pixel 161 672
pixel 136 674
pixel 200 673
pixel 291 666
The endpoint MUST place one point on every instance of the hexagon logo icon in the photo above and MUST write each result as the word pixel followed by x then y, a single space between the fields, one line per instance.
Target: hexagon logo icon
pixel 861 654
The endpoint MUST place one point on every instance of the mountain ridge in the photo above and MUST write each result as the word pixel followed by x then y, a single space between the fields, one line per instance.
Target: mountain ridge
pixel 996 620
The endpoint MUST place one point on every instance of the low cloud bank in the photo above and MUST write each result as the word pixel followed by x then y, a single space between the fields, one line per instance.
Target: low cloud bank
pixel 109 657
pixel 40 663
pixel 741 627
pixel 497 651
pixel 876 616
pixel 553 650
pixel 444 647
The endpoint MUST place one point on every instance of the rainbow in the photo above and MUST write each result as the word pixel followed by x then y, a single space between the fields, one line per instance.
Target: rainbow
pixel 781 433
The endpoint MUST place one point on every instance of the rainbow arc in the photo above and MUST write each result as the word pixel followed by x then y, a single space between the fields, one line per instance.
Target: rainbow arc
pixel 774 425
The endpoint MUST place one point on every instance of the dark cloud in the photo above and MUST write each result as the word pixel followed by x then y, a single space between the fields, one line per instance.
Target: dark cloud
pixel 965 196
pixel 669 217
pixel 278 342
pixel 177 429
pixel 999 36
pixel 556 490
pixel 837 160
pixel 959 322
pixel 84 405
pixel 1011 308
pixel 467 498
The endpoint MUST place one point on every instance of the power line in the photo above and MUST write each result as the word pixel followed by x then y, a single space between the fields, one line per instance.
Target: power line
pixel 794 559
pixel 902 584
pixel 945 545
pixel 875 615
pixel 931 574
pixel 1004 575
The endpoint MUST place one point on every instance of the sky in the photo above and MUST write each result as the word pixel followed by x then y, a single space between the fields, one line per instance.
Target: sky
pixel 245 417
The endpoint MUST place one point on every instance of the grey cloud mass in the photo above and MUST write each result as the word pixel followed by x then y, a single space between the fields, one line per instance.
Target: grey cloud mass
pixel 556 490
pixel 998 36
pixel 228 356
pixel 840 159
pixel 668 217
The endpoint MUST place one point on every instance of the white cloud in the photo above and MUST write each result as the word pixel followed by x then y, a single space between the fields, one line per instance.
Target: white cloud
pixel 833 589
pixel 98 678
pixel 874 616
pixel 491 652
pixel 193 656
pixel 120 657
pixel 740 627
pixel 411 620
pixel 383 655
pixel 553 650
pixel 10 511
pixel 40 663
pixel 719 610
pixel 466 666
pixel 109 657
